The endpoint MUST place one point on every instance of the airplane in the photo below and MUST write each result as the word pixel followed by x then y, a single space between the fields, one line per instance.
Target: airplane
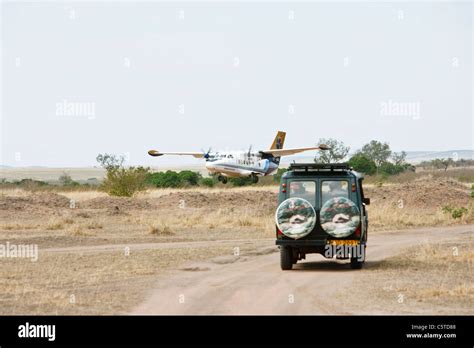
pixel 249 163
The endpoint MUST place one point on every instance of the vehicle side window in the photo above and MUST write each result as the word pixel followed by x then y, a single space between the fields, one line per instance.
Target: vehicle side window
pixel 334 188
pixel 303 189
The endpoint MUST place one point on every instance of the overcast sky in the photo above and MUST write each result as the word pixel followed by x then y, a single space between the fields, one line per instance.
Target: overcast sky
pixel 122 77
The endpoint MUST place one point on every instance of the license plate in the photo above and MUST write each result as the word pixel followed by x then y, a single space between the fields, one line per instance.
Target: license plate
pixel 343 242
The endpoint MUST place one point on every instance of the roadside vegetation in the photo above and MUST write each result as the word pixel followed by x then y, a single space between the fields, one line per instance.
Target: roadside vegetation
pixel 375 159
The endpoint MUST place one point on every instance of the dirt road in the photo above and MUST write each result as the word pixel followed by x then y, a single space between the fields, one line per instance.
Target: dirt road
pixel 254 284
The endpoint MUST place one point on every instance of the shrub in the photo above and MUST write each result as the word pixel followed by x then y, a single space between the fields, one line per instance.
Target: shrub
pixel 30 184
pixel 119 180
pixel 208 182
pixel 456 213
pixel 388 168
pixel 164 179
pixel 189 177
pixel 241 181
pixel 174 179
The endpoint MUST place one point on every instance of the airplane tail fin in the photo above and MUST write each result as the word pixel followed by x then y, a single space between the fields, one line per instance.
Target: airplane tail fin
pixel 278 141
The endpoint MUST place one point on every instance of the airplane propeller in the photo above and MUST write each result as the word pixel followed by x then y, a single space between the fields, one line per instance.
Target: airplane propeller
pixel 206 154
pixel 250 150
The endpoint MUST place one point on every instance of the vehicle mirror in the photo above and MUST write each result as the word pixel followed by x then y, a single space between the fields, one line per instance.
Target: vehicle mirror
pixel 366 201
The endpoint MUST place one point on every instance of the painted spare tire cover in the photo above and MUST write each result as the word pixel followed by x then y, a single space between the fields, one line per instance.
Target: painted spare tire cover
pixel 295 217
pixel 339 217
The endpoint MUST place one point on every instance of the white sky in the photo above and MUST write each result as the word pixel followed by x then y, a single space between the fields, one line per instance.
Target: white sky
pixel 242 71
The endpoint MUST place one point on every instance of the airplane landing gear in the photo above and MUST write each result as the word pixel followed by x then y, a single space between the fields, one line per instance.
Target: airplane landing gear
pixel 222 179
pixel 254 178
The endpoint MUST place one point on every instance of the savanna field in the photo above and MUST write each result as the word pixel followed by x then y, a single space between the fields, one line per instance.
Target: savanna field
pixel 98 254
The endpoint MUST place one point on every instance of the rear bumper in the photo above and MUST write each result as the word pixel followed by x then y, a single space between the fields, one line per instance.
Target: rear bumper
pixel 316 243
pixel 301 243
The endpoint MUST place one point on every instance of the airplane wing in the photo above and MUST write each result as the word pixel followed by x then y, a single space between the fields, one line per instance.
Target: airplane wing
pixel 156 153
pixel 287 152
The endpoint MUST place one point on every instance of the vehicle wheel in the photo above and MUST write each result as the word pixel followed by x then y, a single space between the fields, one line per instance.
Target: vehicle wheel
pixel 254 179
pixel 286 258
pixel 356 264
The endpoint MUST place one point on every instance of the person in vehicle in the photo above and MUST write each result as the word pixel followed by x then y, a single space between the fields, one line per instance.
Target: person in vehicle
pixel 333 189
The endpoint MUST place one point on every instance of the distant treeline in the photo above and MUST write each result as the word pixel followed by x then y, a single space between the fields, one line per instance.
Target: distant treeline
pixel 445 163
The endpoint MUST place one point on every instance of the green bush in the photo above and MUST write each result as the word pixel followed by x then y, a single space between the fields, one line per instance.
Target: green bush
pixel 164 179
pixel 388 168
pixel 208 182
pixel 174 179
pixel 125 182
pixel 30 183
pixel 189 177
pixel 119 180
pixel 241 181
pixel 456 213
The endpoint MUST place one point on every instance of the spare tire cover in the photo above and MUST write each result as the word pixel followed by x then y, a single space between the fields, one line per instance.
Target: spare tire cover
pixel 295 217
pixel 339 217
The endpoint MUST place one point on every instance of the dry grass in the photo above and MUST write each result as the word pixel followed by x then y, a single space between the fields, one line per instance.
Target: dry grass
pixel 80 231
pixel 94 225
pixel 102 283
pixel 387 217
pixel 105 283
pixel 156 193
pixel 80 196
pixel 161 230
pixel 18 226
pixel 179 219
pixel 55 224
pixel 429 279
pixel 189 224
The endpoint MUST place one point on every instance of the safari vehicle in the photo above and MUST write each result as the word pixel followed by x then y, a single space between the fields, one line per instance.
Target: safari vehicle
pixel 321 209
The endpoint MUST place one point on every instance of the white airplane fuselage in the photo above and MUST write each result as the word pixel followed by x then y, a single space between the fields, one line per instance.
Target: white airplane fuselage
pixel 240 164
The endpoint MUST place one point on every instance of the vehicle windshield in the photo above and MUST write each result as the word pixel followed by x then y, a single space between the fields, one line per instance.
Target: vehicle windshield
pixel 303 189
pixel 332 189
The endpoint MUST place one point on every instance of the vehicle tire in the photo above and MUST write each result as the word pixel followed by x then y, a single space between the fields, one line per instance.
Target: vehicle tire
pixel 294 259
pixel 286 258
pixel 356 264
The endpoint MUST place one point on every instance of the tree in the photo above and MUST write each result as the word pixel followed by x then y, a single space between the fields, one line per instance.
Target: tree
pixel 66 180
pixel 336 153
pixel 110 161
pixel 442 163
pixel 399 158
pixel 121 181
pixel 362 164
pixel 376 151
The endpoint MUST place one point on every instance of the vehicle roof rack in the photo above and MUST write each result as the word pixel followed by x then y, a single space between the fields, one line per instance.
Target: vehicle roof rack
pixel 320 166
